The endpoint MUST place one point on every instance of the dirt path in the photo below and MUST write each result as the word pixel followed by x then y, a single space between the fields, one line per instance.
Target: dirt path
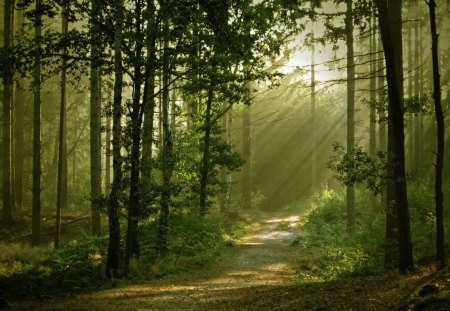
pixel 262 261
pixel 258 276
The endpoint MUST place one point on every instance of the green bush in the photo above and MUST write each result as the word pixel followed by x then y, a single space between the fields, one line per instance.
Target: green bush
pixel 335 253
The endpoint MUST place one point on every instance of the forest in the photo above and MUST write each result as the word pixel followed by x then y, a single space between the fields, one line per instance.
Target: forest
pixel 224 155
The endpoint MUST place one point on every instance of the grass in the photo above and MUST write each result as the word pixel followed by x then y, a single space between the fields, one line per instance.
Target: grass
pixel 329 252
pixel 193 242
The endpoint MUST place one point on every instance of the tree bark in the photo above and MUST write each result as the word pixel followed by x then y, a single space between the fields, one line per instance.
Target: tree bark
pixel 247 155
pixel 313 119
pixel 167 147
pixel 391 33
pixel 372 117
pixel 205 167
pixel 132 245
pixel 61 192
pixel 95 124
pixel 7 105
pixel 439 166
pixel 350 109
pixel 19 128
pixel 36 192
pixel 113 259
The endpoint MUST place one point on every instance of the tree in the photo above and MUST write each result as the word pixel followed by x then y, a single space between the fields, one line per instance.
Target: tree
pixel 61 192
pixel 167 146
pixel 7 104
pixel 350 108
pixel 439 166
pixel 390 21
pixel 36 217
pixel 95 121
pixel 373 117
pixel 113 259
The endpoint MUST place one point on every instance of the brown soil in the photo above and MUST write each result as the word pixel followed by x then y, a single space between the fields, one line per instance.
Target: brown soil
pixel 259 276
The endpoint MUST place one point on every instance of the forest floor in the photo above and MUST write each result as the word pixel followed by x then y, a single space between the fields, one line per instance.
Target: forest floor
pixel 259 274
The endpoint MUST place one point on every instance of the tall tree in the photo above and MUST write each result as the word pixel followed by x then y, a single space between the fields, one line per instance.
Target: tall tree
pixel 247 155
pixel 313 116
pixel 132 243
pixel 95 120
pixel 19 103
pixel 167 144
pixel 373 116
pixel 439 166
pixel 113 259
pixel 36 217
pixel 61 191
pixel 7 104
pixel 350 108
pixel 390 21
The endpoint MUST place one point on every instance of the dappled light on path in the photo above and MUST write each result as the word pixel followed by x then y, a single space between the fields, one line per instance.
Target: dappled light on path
pixel 263 260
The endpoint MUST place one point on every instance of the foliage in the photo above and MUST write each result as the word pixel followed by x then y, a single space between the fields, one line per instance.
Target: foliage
pixel 330 252
pixel 358 167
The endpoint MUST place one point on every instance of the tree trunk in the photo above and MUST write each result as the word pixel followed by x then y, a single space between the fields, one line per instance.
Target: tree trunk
pixel 19 129
pixel 95 125
pixel 132 245
pixel 350 109
pixel 410 127
pixel 7 104
pixel 373 117
pixel 36 215
pixel 205 167
pixel 61 192
pixel 108 146
pixel 439 196
pixel 313 119
pixel 247 155
pixel 113 260
pixel 391 34
pixel 149 96
pixel 167 147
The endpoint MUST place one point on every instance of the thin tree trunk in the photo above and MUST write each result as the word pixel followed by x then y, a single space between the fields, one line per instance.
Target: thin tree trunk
pixel 95 125
pixel 167 147
pixel 247 155
pixel 36 215
pixel 410 127
pixel 113 259
pixel 19 128
pixel 313 119
pixel 204 171
pixel 373 117
pixel 132 245
pixel 417 68
pixel 61 192
pixel 149 96
pixel 350 109
pixel 108 147
pixel 439 166
pixel 7 103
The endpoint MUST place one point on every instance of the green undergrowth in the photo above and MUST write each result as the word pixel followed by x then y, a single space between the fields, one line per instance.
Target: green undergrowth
pixel 79 265
pixel 328 251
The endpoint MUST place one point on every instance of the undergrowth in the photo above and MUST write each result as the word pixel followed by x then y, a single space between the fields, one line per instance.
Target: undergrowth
pixel 26 271
pixel 330 252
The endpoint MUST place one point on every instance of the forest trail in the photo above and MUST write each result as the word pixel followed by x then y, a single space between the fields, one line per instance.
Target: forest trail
pixel 262 262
